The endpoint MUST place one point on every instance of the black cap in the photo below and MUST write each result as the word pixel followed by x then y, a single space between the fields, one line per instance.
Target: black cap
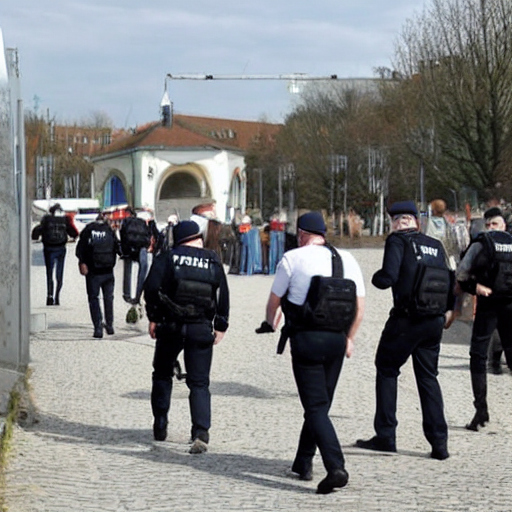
pixel 185 231
pixel 55 207
pixel 312 222
pixel 493 212
pixel 403 207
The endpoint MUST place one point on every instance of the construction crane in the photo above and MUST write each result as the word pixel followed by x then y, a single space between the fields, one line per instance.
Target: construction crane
pixel 293 78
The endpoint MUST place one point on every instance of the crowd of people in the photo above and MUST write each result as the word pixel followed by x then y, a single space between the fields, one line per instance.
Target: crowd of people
pixel 428 263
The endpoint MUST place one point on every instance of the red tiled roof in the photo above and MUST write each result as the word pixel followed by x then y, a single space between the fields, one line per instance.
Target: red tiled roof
pixel 192 131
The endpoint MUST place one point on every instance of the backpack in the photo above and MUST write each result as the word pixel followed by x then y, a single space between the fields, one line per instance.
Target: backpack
pixel 331 302
pixel 431 287
pixel 101 244
pixel 134 235
pixel 54 230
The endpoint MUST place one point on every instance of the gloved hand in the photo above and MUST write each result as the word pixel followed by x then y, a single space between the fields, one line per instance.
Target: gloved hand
pixel 264 327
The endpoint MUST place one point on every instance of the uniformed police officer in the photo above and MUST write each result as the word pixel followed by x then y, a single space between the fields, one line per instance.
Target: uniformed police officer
pixel 317 355
pixel 414 328
pixel 187 303
pixel 486 271
pixel 97 251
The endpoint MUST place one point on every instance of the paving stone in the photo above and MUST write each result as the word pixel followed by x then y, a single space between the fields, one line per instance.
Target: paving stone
pixel 92 448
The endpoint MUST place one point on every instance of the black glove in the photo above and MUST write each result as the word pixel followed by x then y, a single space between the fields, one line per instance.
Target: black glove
pixel 264 327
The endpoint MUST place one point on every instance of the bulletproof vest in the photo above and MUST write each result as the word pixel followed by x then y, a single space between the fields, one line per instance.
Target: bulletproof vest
pixel 196 279
pixel 54 230
pixel 497 273
pixel 330 303
pixel 134 235
pixel 101 244
pixel 431 286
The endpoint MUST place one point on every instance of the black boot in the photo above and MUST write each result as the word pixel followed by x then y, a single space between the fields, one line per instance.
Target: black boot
pixel 481 417
pixel 335 478
pixel 495 365
pixel 440 450
pixel 508 357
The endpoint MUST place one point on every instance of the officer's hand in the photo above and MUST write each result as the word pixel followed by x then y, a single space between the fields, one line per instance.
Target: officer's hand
pixel 483 290
pixel 152 329
pixel 449 318
pixel 218 337
pixel 264 327
pixel 350 347
pixel 83 269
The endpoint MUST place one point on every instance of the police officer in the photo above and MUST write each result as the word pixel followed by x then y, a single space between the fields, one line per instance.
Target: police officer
pixel 486 271
pixel 414 328
pixel 187 303
pixel 55 227
pixel 317 354
pixel 97 250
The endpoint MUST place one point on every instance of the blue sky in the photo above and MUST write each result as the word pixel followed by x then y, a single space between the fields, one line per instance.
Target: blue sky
pixel 112 56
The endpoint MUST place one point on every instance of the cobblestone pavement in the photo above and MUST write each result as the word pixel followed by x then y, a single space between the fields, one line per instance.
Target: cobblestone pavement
pixel 92 448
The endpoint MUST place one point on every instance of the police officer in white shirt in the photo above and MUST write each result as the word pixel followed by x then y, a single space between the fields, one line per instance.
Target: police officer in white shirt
pixel 317 354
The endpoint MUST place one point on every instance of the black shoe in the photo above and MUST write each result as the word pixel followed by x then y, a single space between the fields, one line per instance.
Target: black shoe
pixel 439 454
pixel 198 446
pixel 160 430
pixel 306 475
pixel 439 451
pixel 109 329
pixel 380 444
pixel 49 301
pixel 98 333
pixel 479 420
pixel 56 301
pixel 496 369
pixel 304 469
pixel 335 478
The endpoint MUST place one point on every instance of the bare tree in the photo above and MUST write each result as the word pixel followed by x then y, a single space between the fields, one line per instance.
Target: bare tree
pixel 456 60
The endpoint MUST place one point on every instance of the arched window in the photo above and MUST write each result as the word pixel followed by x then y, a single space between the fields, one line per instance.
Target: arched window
pixel 180 184
pixel 114 192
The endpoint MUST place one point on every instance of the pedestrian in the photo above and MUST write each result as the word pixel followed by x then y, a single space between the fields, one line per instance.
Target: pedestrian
pixel 165 237
pixel 135 240
pixel 437 226
pixel 486 272
pixel 187 304
pixel 303 277
pixel 97 250
pixel 54 228
pixel 415 268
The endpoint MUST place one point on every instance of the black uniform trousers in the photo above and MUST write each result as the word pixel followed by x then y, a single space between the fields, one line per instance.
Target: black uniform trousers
pixel 94 283
pixel 196 340
pixel 490 314
pixel 420 338
pixel 317 359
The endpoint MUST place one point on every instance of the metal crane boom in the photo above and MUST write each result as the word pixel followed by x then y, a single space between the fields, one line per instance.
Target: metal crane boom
pixel 292 76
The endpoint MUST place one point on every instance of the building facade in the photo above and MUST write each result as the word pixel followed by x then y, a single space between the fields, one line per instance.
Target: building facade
pixel 174 165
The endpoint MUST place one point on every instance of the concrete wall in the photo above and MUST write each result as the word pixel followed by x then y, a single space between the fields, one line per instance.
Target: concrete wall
pixel 14 234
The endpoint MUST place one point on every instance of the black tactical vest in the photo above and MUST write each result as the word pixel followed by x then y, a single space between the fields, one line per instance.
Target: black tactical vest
pixel 101 244
pixel 497 273
pixel 196 280
pixel 330 305
pixel 432 280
